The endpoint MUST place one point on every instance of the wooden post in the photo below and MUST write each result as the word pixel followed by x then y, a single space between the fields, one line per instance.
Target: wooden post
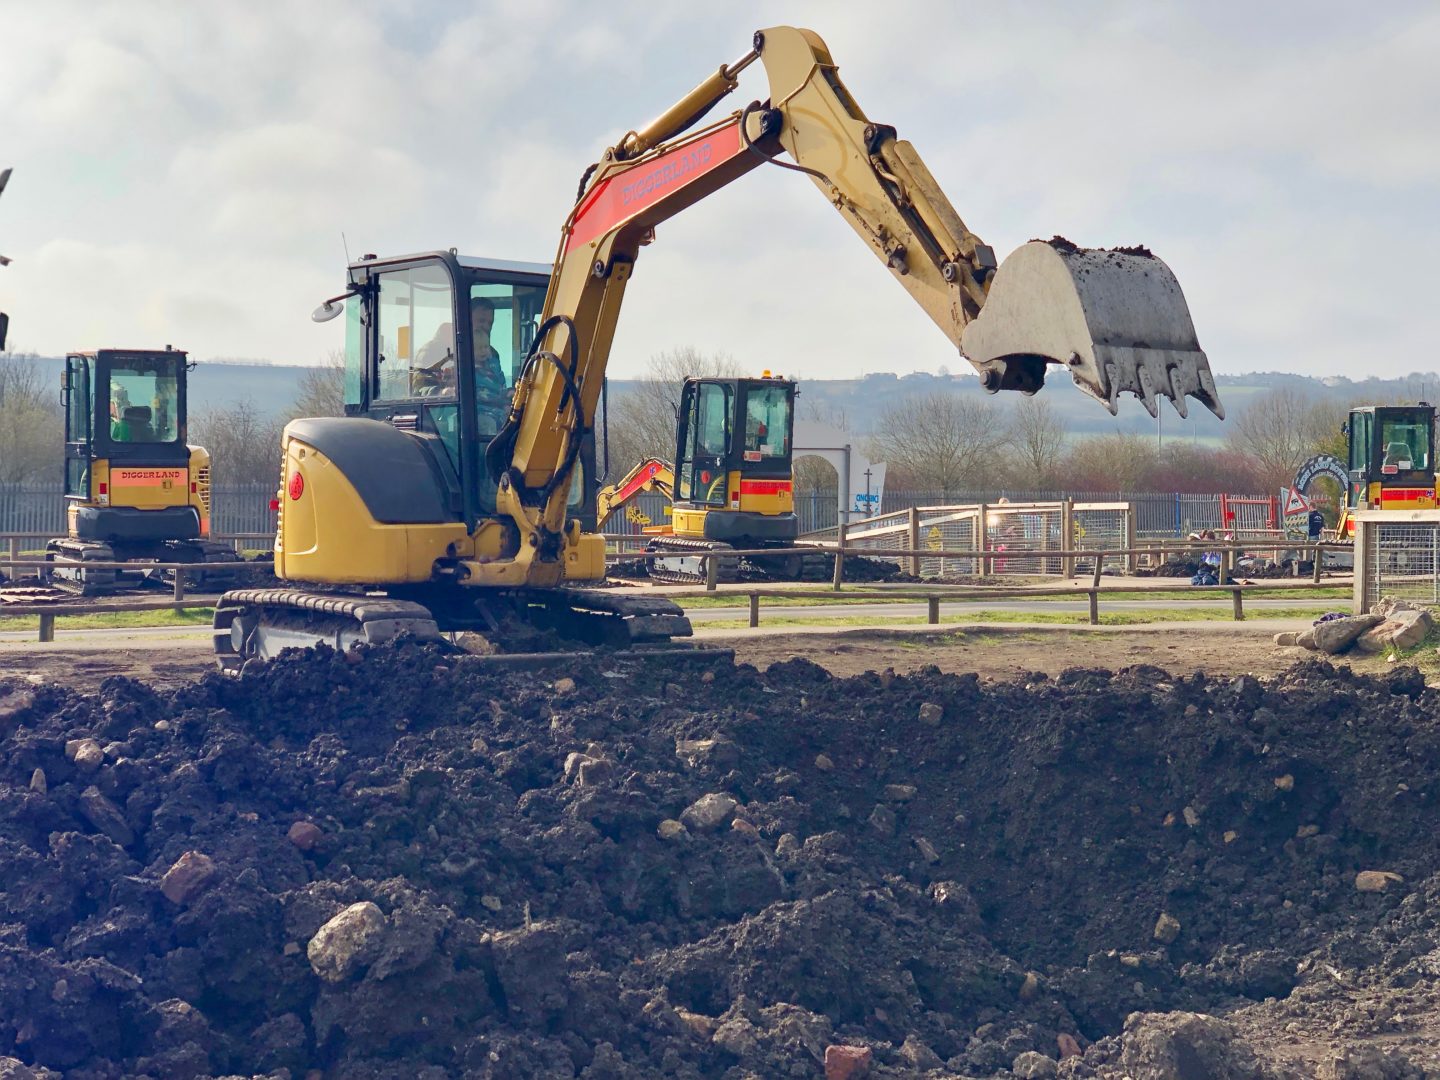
pixel 932 615
pixel 1067 536
pixel 712 571
pixel 179 583
pixel 839 556
pixel 754 609
pixel 915 540
pixel 14 554
pixel 1222 572
pixel 1099 565
pixel 1095 606
pixel 1319 554
pixel 982 529
pixel 1239 606
pixel 1130 530
pixel 47 627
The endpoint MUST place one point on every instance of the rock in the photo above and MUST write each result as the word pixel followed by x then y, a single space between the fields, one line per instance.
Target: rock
pixel 564 686
pixel 14 704
pixel 1167 928
pixel 670 829
pixel 899 792
pixel 1285 783
pixel 823 763
pixel 745 829
pixel 919 1056
pixel 1337 635
pixel 573 762
pixel 1402 629
pixel 594 771
pixel 737 1036
pixel 491 903
pixel 38 783
pixel 701 1025
pixel 1029 987
pixel 305 835
pixel 188 877
pixel 1034 1066
pixel 709 812
pixel 1068 1046
pixel 1191 817
pixel 85 753
pixel 719 753
pixel 1183 1046
pixel 927 850
pixel 1389 605
pixel 1367 1063
pixel 847 1062
pixel 882 820
pixel 105 816
pixel 1287 637
pixel 931 714
pixel 1376 880
pixel 1306 640
pixel 14 1069
pixel 347 942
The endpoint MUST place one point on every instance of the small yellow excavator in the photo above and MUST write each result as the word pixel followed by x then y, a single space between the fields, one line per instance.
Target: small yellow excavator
pixel 134 491
pixel 735 488
pixel 428 509
pixel 1392 460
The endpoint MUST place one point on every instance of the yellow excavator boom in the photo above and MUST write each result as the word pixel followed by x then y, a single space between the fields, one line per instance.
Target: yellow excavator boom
pixel 1116 320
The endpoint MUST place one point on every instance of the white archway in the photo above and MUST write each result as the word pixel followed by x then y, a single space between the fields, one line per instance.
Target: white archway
pixel 862 481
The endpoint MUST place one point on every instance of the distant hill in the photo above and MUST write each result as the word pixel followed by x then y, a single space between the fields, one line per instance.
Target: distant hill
pixel 273 387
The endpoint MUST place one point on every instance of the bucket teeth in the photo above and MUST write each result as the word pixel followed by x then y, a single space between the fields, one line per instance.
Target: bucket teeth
pixel 1116 320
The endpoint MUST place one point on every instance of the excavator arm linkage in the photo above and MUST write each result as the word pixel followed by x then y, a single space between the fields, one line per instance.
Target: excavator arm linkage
pixel 1116 320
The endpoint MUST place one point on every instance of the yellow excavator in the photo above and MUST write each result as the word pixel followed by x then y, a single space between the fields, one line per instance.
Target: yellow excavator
pixel 135 491
pixel 428 509
pixel 735 489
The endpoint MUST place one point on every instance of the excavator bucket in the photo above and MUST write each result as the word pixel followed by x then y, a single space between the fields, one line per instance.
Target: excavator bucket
pixel 1116 320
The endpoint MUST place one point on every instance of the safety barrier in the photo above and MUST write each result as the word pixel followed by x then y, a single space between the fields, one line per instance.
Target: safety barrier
pixel 1397 553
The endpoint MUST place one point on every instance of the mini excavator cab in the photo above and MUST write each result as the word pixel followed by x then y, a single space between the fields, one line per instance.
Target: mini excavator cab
pixel 433 345
pixel 733 454
pixel 1392 459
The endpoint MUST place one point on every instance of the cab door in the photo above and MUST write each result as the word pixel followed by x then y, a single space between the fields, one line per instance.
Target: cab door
pixel 79 433
pixel 705 428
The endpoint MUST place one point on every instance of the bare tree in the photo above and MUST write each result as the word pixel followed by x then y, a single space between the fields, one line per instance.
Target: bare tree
pixel 939 441
pixel 642 419
pixel 31 425
pixel 1119 461
pixel 1038 437
pixel 1283 427
pixel 244 444
pixel 322 388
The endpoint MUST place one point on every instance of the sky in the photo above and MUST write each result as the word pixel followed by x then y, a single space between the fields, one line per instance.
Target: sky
pixel 185 169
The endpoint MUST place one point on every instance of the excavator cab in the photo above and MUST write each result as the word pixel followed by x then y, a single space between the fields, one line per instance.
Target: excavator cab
pixel 733 461
pixel 433 345
pixel 1392 457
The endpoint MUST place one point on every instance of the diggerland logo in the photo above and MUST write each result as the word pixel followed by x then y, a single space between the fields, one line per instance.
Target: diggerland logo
pixel 688 162
pixel 147 477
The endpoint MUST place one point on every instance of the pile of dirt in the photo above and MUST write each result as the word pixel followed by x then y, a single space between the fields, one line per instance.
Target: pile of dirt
pixel 407 864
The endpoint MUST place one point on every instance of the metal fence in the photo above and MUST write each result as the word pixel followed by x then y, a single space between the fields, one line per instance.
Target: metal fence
pixel 40 509
pixel 1397 553
pixel 1026 537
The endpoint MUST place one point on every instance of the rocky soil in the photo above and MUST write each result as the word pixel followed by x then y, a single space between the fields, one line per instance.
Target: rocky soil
pixel 408 864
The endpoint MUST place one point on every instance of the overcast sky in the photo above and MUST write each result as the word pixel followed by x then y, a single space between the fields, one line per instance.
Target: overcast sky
pixel 184 170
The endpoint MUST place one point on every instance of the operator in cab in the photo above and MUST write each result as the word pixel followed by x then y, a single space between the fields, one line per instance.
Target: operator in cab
pixel 492 392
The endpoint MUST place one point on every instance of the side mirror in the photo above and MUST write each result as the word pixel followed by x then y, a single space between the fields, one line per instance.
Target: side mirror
pixel 332 307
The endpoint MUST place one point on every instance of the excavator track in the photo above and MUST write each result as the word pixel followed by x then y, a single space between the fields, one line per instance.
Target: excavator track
pixel 68 569
pixel 681 564
pixel 257 624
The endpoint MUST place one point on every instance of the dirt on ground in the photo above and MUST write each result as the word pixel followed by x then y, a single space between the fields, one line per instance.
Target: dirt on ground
pixel 404 863
pixel 992 653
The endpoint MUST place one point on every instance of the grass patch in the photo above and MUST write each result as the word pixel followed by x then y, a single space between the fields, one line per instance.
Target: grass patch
pixel 113 620
pixel 1062 618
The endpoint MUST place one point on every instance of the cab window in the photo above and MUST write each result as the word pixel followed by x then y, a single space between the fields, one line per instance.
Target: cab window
pixel 416 349
pixel 1404 444
pixel 145 399
pixel 767 422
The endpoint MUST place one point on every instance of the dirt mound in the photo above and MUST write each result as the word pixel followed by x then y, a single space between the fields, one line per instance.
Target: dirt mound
pixel 667 869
